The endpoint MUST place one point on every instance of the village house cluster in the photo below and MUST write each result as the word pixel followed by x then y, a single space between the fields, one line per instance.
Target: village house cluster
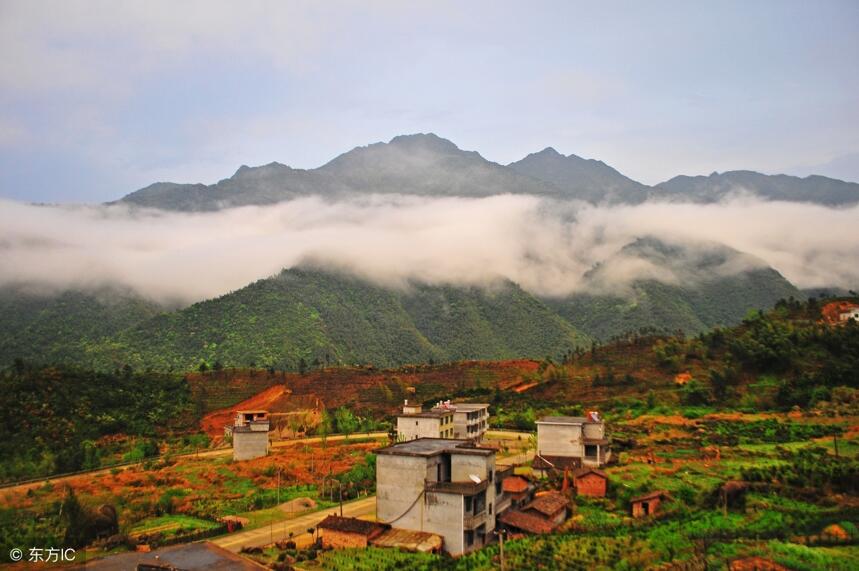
pixel 438 488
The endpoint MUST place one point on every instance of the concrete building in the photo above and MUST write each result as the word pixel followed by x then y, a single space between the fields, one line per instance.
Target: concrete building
pixel 570 442
pixel 415 423
pixel 470 420
pixel 440 486
pixel 250 434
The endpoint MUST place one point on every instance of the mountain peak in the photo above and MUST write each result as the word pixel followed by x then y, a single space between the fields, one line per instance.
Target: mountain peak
pixel 429 141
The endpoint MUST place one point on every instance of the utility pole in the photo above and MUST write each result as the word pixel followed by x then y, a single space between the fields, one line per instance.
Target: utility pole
pixel 500 533
pixel 341 497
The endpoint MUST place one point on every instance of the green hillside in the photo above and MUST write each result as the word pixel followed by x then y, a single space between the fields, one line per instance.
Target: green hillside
pixel 325 318
pixel 58 327
pixel 700 289
pixel 692 309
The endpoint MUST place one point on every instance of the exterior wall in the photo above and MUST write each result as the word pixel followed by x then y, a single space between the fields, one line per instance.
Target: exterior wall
pixel 560 440
pixel 852 314
pixel 442 515
pixel 591 485
pixel 410 428
pixel 479 426
pixel 342 540
pixel 638 507
pixel 249 445
pixel 399 484
pixel 594 430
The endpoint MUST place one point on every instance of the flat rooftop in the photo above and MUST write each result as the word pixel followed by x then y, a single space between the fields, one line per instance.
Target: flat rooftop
pixel 567 420
pixel 433 413
pixel 433 447
pixel 462 407
pixel 469 405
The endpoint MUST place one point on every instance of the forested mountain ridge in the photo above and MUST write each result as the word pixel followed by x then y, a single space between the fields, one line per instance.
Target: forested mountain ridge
pixel 314 316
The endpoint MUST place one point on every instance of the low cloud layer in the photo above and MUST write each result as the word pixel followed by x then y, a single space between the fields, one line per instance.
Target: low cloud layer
pixel 545 246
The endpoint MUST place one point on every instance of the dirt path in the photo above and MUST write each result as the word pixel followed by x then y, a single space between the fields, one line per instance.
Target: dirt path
pixel 298 526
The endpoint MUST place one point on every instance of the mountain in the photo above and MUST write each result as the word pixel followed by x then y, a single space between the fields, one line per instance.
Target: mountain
pixel 814 189
pixel 428 165
pixel 58 326
pixel 422 164
pixel 584 179
pixel 331 318
pixel 700 287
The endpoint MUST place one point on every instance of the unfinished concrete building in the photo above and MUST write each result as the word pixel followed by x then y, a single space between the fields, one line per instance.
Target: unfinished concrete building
pixel 441 486
pixel 250 434
pixel 570 442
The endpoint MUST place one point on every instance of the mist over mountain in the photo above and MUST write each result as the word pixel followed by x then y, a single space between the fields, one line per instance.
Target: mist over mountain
pixel 411 250
pixel 681 287
pixel 719 186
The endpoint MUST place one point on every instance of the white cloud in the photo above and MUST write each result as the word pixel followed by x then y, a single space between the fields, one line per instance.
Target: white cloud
pixel 544 246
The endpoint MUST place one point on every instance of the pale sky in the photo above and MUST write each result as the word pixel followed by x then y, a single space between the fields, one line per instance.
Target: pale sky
pixel 98 99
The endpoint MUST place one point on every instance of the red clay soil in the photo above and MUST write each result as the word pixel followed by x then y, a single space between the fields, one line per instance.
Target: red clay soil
pixel 214 422
pixel 756 564
pixel 368 389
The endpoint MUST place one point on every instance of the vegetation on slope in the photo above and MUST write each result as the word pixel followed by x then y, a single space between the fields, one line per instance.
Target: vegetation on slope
pixel 302 316
pixel 51 327
pixel 52 418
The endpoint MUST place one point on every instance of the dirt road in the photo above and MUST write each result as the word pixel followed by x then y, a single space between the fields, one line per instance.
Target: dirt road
pixel 298 526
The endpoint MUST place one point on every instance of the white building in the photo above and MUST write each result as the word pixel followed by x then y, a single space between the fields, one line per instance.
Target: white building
pixel 470 420
pixel 447 487
pixel 415 423
pixel 571 442
pixel 852 313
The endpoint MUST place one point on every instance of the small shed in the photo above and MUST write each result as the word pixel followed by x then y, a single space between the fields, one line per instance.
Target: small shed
pixel 522 522
pixel 551 506
pixel 648 504
pixel 342 532
pixel 518 488
pixel 590 482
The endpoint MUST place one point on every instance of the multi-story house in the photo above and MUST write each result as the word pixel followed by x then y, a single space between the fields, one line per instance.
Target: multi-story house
pixel 470 420
pixel 441 486
pixel 414 423
pixel 571 442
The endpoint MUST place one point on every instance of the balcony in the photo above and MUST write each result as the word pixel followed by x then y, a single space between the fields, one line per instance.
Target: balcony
pixel 472 521
pixel 502 503
pixel 461 488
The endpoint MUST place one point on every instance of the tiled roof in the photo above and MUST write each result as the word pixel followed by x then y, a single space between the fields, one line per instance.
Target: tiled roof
pixel 515 484
pixel 409 540
pixel 526 522
pixel 549 503
pixel 585 471
pixel 351 525
pixel 651 495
